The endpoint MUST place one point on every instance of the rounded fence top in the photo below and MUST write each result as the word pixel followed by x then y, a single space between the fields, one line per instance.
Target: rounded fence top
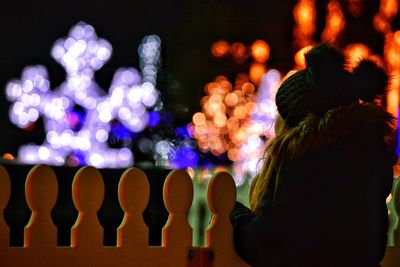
pixel 178 192
pixel 133 190
pixel 88 189
pixel 221 193
pixel 5 187
pixel 41 188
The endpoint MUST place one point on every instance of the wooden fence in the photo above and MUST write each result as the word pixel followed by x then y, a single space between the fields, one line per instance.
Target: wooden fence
pixel 86 249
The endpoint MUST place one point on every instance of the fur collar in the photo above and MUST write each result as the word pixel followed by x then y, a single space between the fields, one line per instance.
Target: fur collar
pixel 337 124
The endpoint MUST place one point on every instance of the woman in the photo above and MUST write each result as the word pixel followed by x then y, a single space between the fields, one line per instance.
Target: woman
pixel 320 198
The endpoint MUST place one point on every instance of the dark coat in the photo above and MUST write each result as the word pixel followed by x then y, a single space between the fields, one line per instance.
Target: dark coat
pixel 330 206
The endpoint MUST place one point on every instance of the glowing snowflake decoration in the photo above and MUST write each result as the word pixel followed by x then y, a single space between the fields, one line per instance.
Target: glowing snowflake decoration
pixel 77 115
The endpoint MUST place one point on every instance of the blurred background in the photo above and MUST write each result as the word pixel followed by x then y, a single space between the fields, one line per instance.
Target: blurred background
pixel 187 31
pixel 168 84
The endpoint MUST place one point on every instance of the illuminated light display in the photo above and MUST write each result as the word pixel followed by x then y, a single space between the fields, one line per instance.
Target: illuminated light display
pixel 387 11
pixel 260 128
pixel 391 50
pixel 335 22
pixel 305 17
pixel 236 117
pixel 78 115
pixel 304 14
pixel 177 151
pixel 245 147
pixel 230 120
pixel 221 126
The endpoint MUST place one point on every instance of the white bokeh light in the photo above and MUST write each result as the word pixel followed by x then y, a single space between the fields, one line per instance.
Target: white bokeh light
pixel 130 95
pixel 262 124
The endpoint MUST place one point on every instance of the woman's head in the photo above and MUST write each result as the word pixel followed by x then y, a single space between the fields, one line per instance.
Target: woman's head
pixel 307 96
pixel 326 83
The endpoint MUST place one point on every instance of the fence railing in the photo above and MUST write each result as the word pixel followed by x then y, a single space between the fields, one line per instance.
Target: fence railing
pixel 86 249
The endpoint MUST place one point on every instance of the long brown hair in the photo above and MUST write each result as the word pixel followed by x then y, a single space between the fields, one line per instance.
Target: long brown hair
pixel 274 158
pixel 313 132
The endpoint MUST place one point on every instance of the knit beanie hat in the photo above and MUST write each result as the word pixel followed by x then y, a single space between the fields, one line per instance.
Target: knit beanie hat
pixel 325 84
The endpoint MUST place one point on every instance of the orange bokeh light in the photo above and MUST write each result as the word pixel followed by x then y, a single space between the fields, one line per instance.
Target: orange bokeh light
pixel 257 70
pixel 299 58
pixel 215 99
pixel 251 107
pixel 240 136
pixel 220 48
pixel 248 88
pixel 387 11
pixel 233 154
pixel 356 52
pixel 240 112
pixel 238 51
pixel 199 118
pixel 221 124
pixel 396 37
pixel 305 17
pixel 231 99
pixel 334 22
pixel 224 124
pixel 220 119
pixel 381 24
pixel 8 156
pixel 260 51
pixel 389 8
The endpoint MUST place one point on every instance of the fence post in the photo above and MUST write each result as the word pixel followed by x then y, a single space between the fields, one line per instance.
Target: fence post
pixel 5 191
pixel 221 196
pixel 177 233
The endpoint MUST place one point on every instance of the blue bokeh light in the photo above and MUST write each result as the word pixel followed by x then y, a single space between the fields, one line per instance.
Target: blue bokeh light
pixel 154 119
pixel 185 157
pixel 182 133
pixel 119 131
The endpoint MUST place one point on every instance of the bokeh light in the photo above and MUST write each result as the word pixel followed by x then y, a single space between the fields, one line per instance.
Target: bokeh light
pixel 335 22
pixel 239 51
pixel 220 125
pixel 305 17
pixel 260 51
pixel 8 156
pixel 388 9
pixel 355 53
pixel 220 48
pixel 256 72
pixel 299 58
pixel 79 117
pixel 237 113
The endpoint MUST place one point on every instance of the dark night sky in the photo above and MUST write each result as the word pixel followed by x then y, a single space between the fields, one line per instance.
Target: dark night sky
pixel 187 29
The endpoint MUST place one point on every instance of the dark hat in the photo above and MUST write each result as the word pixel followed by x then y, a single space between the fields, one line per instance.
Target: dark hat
pixel 325 84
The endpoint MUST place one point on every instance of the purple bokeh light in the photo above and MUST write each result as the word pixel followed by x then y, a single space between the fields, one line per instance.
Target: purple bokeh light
pixel 80 138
